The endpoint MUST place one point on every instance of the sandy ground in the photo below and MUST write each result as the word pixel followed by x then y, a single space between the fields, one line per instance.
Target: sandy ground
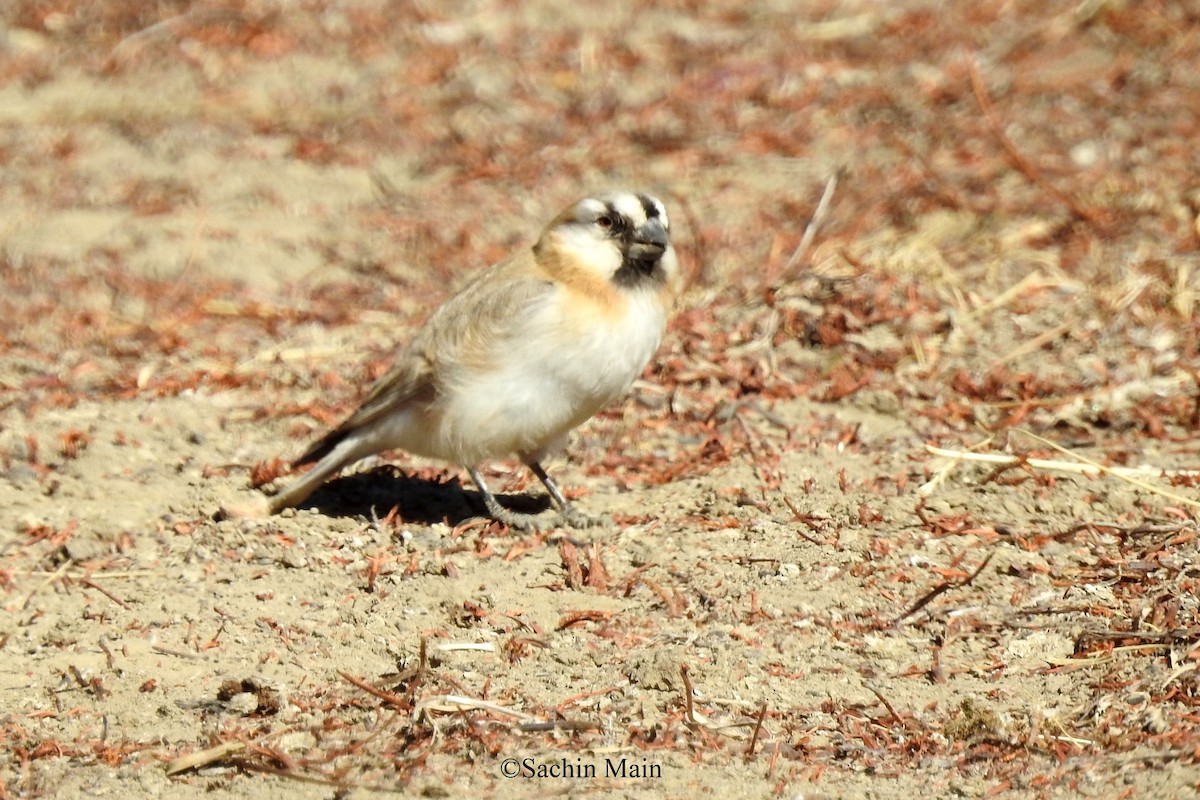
pixel 219 222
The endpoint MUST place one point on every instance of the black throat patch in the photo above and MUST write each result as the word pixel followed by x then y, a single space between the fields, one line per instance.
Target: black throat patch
pixel 645 272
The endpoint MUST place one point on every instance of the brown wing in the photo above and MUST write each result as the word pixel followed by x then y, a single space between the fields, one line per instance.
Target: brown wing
pixel 484 317
pixel 408 379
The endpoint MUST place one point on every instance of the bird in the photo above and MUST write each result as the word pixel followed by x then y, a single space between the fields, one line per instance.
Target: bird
pixel 526 351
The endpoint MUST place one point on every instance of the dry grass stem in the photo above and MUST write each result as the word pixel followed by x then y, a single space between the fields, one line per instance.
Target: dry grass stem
pixel 1088 468
pixel 818 219
pixel 202 758
pixel 453 704
pixel 482 647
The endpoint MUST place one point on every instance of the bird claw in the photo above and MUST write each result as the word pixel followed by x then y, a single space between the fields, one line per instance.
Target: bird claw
pixel 526 523
pixel 534 523
pixel 577 519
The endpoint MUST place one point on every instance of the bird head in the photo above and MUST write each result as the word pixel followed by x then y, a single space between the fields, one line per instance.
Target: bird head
pixel 622 237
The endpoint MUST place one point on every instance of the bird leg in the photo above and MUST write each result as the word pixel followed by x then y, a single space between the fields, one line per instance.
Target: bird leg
pixel 517 521
pixel 569 514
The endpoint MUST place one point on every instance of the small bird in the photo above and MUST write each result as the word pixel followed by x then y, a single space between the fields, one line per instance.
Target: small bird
pixel 529 349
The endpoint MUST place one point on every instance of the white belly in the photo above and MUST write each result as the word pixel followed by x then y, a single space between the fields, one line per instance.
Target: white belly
pixel 539 387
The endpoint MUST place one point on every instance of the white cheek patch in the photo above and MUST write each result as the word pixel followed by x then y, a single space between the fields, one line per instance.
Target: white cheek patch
pixel 586 249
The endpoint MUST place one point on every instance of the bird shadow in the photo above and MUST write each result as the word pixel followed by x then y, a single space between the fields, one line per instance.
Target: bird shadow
pixel 424 501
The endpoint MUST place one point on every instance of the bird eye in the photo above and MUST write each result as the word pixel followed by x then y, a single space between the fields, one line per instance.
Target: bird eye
pixel 605 222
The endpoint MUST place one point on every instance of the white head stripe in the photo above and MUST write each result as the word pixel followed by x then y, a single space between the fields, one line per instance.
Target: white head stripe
pixel 629 207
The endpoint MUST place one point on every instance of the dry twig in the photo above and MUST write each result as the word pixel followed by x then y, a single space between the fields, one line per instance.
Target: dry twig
pixel 941 589
pixel 202 758
pixel 1023 164
pixel 818 218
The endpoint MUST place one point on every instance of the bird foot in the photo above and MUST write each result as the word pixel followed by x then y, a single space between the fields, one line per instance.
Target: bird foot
pixel 567 517
pixel 526 523
pixel 574 518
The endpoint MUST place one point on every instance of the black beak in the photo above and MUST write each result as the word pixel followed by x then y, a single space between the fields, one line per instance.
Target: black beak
pixel 648 242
